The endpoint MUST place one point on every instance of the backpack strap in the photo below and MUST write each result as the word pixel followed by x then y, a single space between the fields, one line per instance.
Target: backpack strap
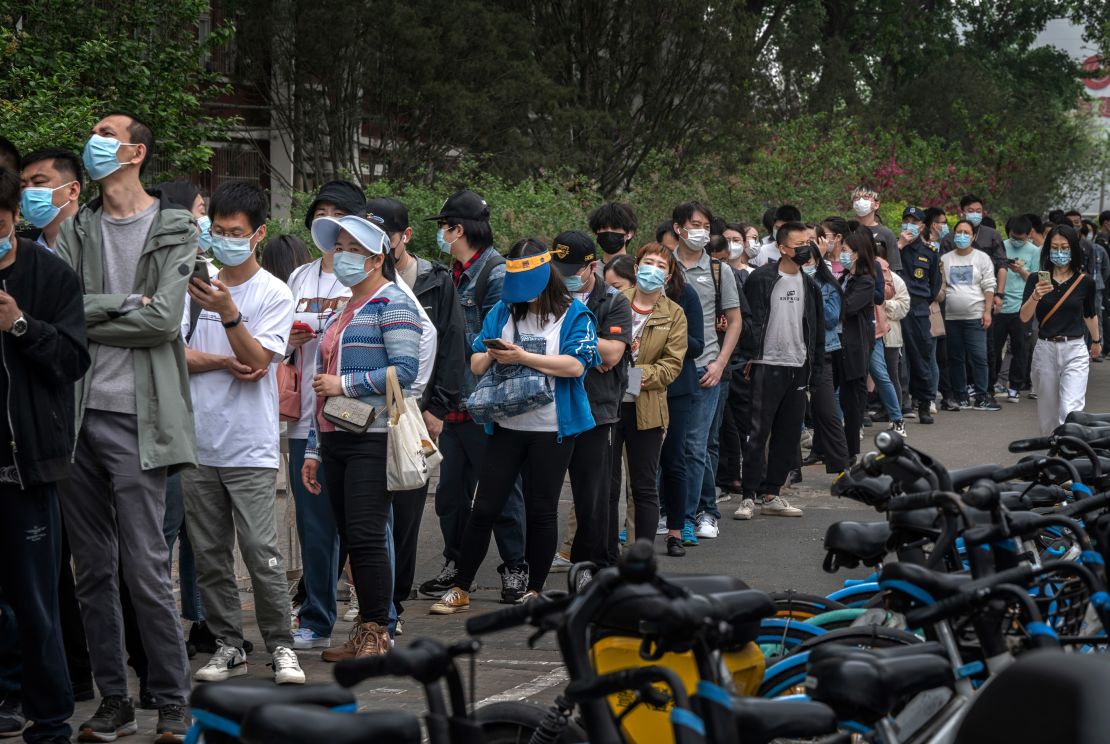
pixel 194 315
pixel 482 281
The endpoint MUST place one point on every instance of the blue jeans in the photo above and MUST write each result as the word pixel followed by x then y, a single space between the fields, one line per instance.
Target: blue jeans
pixel 936 367
pixel 708 490
pixel 319 538
pixel 702 414
pixel 391 552
pixel 883 385
pixel 967 339
pixel 173 527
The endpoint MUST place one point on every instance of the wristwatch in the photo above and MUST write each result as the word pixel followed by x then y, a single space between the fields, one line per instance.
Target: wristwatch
pixel 233 323
pixel 19 327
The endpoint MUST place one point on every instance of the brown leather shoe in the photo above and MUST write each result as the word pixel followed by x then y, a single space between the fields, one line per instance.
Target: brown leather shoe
pixel 349 649
pixel 375 641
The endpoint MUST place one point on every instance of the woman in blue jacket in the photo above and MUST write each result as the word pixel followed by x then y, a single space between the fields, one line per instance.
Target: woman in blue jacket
pixel 539 325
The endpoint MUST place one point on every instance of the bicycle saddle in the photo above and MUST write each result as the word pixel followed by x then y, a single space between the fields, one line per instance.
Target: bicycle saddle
pixel 1084 418
pixel 234 698
pixel 706 583
pixel 762 721
pixel 852 543
pixel 819 654
pixel 1043 696
pixel 868 688
pixel 297 724
pixel 909 585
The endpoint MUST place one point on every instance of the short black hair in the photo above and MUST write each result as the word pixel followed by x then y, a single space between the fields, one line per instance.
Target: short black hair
pixel 1035 220
pixel 967 199
pixel 478 233
pixel 181 193
pixel 769 219
pixel 234 197
pixel 9 154
pixel 684 211
pixel 9 190
pixel 613 214
pixel 139 133
pixel 64 161
pixel 1103 217
pixel 717 243
pixel 664 229
pixel 789 228
pixel 1019 224
pixel 1073 213
pixel 788 213
pixel 1057 217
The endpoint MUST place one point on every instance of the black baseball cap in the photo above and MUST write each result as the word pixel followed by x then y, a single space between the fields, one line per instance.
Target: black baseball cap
pixel 463 205
pixel 916 212
pixel 572 250
pixel 388 214
pixel 343 194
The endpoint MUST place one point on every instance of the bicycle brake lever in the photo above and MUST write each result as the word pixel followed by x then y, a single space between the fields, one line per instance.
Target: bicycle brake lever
pixel 653 696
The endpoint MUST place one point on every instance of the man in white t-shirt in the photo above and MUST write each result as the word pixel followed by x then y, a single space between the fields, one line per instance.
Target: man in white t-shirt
pixel 970 276
pixel 232 343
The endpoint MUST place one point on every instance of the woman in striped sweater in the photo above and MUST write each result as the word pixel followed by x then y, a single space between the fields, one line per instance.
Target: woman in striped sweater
pixel 379 328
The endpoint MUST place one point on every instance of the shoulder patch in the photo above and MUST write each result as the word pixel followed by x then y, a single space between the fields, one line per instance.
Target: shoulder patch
pixel 923 259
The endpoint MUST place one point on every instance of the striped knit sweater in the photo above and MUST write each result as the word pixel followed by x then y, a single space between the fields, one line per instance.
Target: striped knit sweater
pixel 384 332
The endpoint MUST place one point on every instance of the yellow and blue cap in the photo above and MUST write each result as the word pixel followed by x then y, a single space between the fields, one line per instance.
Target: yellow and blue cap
pixel 526 277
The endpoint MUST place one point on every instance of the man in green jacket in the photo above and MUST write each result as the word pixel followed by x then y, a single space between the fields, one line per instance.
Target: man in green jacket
pixel 134 254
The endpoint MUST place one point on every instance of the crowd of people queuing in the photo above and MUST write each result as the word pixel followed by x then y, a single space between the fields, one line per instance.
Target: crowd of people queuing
pixel 157 349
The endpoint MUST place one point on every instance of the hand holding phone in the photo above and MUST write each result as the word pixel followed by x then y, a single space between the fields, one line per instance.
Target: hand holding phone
pixel 495 343
pixel 200 270
pixel 1044 276
pixel 299 326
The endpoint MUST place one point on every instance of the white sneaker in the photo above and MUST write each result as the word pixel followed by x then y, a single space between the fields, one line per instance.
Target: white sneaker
pixel 287 669
pixel 779 507
pixel 352 607
pixel 745 510
pixel 807 439
pixel 307 638
pixel 560 563
pixel 400 629
pixel 661 528
pixel 226 663
pixel 933 408
pixel 706 526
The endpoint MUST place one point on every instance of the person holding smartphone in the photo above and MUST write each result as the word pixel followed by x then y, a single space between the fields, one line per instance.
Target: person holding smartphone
pixel 1062 298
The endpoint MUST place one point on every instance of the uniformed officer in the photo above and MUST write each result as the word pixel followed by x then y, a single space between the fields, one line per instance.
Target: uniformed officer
pixel 921 272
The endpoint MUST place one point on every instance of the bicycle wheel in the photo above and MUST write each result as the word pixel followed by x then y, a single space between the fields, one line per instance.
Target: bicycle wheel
pixel 779 636
pixel 858 595
pixel 515 722
pixel 837 619
pixel 801 606
pixel 787 676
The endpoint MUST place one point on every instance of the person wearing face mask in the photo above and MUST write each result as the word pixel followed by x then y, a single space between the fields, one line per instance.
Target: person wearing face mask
pixel 51 181
pixel 720 301
pixel 865 204
pixel 615 225
pixel 984 237
pixel 135 252
pixel 740 250
pixel 857 336
pixel 787 349
pixel 969 298
pixel 42 342
pixel 921 273
pixel 769 251
pixel 1023 257
pixel 1064 306
pixel 240 332
pixel 538 324
pixel 478 272
pixel 379 328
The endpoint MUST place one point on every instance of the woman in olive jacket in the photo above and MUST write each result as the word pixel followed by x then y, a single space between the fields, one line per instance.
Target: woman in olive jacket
pixel 657 350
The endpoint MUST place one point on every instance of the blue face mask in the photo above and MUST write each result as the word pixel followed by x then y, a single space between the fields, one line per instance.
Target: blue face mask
pixel 1017 244
pixel 205 237
pixel 962 241
pixel 1060 258
pixel 350 268
pixel 943 232
pixel 911 228
pixel 810 270
pixel 232 251
pixel 442 241
pixel 6 244
pixel 574 283
pixel 974 218
pixel 100 158
pixel 37 205
pixel 846 260
pixel 650 278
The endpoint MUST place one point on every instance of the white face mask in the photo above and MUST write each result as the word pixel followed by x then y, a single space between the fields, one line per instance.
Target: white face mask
pixel 735 249
pixel 752 248
pixel 697 238
pixel 862 206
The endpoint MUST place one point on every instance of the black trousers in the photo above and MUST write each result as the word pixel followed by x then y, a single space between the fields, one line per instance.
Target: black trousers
pixel 893 357
pixel 853 401
pixel 1008 326
pixel 918 340
pixel 408 510
pixel 30 562
pixel 672 461
pixel 591 462
pixel 778 410
pixel 542 460
pixel 354 465
pixel 828 429
pixel 643 447
pixel 734 429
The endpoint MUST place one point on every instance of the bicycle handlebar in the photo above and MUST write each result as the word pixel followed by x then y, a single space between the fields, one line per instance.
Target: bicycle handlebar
pixel 525 614
pixel 424 660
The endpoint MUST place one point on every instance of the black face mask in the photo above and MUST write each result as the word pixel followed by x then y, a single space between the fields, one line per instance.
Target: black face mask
pixel 611 242
pixel 802 254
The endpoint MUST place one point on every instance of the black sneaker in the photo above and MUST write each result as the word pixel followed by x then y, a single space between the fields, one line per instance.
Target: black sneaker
pixel 146 698
pixel 12 721
pixel 867 422
pixel 441 584
pixel 115 717
pixel 201 639
pixel 923 415
pixel 674 547
pixel 173 724
pixel 514 582
pixel 965 404
pixel 987 404
pixel 948 404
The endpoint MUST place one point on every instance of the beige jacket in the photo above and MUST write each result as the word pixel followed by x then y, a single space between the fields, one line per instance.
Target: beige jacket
pixel 662 347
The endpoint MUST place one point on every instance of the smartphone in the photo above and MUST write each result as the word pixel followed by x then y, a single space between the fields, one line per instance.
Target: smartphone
pixel 300 325
pixel 495 343
pixel 200 270
pixel 1043 276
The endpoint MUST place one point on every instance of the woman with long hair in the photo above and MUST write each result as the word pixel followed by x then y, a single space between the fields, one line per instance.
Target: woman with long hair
pixel 1064 305
pixel 537 324
pixel 858 334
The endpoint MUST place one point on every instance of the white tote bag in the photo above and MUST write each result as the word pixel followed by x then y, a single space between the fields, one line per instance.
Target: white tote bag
pixel 410 452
